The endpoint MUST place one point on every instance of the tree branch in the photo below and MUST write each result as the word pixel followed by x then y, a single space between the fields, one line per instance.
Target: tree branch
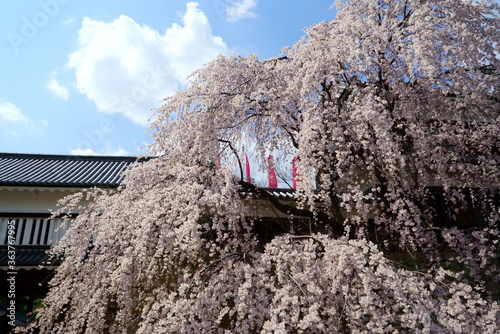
pixel 235 153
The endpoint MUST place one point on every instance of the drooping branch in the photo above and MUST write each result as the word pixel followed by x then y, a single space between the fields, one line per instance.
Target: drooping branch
pixel 235 153
pixel 292 138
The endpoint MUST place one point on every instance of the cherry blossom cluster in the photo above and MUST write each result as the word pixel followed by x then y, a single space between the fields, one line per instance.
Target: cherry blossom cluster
pixel 392 110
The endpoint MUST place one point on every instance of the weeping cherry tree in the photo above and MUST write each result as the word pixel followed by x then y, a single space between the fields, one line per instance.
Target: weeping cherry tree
pixel 392 109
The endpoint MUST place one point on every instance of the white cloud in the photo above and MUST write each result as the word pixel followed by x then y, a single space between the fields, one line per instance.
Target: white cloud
pixel 11 113
pixel 44 122
pixel 241 10
pixel 68 21
pixel 127 68
pixel 119 152
pixel 56 88
pixel 88 151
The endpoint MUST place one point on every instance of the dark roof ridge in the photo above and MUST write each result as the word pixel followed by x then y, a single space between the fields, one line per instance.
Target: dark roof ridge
pixel 68 157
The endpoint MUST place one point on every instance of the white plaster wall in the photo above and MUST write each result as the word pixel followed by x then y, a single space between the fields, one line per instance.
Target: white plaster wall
pixel 31 199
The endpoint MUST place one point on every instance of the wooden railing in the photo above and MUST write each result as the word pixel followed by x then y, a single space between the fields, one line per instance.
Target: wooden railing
pixel 31 231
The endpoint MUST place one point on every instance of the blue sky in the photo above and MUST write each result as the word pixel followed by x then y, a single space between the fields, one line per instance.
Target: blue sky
pixel 84 77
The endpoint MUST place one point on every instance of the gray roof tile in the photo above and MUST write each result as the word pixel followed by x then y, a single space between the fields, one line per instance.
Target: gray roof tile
pixel 26 256
pixel 62 170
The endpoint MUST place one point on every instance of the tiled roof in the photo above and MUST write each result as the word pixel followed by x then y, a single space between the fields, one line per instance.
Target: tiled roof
pixel 77 171
pixel 280 193
pixel 62 170
pixel 26 257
